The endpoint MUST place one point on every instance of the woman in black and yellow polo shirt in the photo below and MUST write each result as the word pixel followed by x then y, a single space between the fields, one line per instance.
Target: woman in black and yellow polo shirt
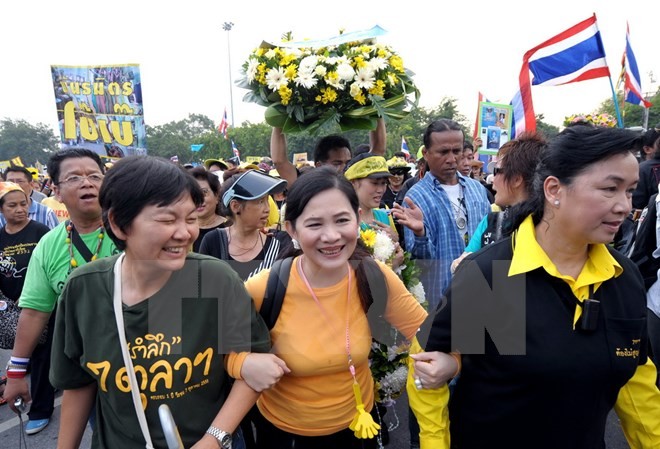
pixel 551 322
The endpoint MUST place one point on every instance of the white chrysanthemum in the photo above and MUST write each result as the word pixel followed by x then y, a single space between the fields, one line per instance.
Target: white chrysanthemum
pixel 275 78
pixel 330 60
pixel 364 78
pixel 308 64
pixel 418 292
pixel 345 71
pixel 296 52
pixel 384 247
pixel 251 71
pixel 394 382
pixel 341 60
pixel 320 70
pixel 376 64
pixel 270 54
pixel 305 79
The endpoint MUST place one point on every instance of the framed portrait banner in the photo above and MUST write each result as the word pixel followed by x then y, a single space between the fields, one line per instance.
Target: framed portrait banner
pixel 494 125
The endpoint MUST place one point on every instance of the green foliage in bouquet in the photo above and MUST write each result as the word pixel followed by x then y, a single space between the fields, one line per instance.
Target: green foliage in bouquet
pixel 351 84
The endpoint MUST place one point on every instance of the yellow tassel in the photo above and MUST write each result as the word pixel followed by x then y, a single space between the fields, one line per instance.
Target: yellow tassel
pixel 363 424
pixel 74 264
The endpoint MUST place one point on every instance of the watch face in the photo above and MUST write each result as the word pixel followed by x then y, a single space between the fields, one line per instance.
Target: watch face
pixel 226 441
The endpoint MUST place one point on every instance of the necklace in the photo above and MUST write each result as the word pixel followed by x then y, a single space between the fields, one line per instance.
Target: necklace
pixel 69 237
pixel 363 424
pixel 460 214
pixel 245 250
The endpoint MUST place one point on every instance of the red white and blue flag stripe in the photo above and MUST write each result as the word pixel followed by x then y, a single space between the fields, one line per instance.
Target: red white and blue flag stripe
pixel 576 54
pixel 632 84
pixel 404 147
pixel 224 125
pixel 234 149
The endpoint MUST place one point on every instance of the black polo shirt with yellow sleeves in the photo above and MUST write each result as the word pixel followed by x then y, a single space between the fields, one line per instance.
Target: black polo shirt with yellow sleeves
pixel 559 393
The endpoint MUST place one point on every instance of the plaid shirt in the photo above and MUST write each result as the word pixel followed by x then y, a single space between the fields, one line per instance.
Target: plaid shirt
pixel 38 212
pixel 442 241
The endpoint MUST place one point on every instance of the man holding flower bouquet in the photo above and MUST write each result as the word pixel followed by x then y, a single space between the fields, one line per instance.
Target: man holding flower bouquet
pixel 333 150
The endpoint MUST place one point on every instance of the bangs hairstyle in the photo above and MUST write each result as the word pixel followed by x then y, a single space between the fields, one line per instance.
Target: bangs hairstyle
pixel 317 181
pixel 139 181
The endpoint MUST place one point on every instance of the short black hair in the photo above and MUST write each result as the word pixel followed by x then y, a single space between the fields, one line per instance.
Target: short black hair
pixel 438 126
pixel 18 169
pixel 202 174
pixel 139 181
pixel 329 143
pixel 56 160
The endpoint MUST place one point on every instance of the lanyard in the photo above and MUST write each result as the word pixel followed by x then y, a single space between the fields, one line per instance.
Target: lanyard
pixel 351 367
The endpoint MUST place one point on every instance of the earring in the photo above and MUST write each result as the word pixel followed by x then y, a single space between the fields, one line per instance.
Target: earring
pixel 556 203
pixel 296 244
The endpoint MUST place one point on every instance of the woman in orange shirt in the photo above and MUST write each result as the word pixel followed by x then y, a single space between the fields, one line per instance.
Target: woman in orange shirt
pixel 322 331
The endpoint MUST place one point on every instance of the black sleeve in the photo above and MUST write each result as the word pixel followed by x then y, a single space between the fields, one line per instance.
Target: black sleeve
pixel 211 244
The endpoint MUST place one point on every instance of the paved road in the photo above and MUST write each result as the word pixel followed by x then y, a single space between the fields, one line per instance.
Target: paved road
pixel 399 438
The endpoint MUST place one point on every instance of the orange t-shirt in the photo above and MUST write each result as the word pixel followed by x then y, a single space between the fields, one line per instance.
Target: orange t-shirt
pixel 316 398
pixel 59 208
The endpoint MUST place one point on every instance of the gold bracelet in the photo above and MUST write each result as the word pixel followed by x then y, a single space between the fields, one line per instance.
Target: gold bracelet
pixel 457 357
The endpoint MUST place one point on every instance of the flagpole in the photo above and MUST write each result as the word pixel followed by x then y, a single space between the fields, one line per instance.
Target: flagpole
pixel 227 26
pixel 616 104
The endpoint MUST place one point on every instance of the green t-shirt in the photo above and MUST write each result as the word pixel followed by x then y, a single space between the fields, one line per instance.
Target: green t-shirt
pixel 50 267
pixel 176 339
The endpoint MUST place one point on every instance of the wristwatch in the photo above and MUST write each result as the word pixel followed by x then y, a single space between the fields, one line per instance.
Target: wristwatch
pixel 224 438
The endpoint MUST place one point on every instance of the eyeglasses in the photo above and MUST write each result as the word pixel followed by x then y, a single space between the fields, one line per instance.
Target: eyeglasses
pixel 78 180
pixel 498 171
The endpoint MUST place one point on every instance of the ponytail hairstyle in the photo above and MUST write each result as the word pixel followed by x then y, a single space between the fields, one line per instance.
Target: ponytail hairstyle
pixel 317 181
pixel 568 155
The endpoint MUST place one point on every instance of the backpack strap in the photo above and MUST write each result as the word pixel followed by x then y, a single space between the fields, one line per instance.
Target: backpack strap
pixel 278 279
pixel 380 327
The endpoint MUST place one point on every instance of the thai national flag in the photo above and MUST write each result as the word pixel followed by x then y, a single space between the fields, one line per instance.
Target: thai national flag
pixel 404 147
pixel 632 83
pixel 224 125
pixel 576 54
pixel 235 150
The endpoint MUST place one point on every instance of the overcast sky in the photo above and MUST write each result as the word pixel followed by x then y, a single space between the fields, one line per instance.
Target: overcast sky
pixel 455 48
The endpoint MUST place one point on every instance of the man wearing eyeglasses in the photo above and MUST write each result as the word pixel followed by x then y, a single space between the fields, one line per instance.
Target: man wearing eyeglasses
pixel 36 211
pixel 77 175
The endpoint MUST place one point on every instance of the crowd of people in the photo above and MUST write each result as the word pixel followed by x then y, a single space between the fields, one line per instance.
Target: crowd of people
pixel 245 299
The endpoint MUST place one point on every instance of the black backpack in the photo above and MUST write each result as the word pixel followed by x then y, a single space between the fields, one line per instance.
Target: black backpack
pixel 645 244
pixel 278 279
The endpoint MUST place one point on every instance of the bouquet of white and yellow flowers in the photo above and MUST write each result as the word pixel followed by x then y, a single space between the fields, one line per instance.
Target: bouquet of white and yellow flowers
pixel 603 119
pixel 349 83
pixel 388 363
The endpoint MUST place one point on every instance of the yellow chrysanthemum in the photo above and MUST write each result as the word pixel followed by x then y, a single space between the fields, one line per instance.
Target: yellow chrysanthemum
pixel 360 98
pixel 259 52
pixel 285 94
pixel 393 79
pixel 287 59
pixel 382 53
pixel 291 71
pixel 365 49
pixel 261 74
pixel 359 62
pixel 328 95
pixel 378 89
pixel 397 63
pixel 368 237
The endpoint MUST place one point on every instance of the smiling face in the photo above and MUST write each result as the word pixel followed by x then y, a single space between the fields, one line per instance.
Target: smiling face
pixel 15 208
pixel 592 208
pixel 370 191
pixel 161 235
pixel 80 198
pixel 327 235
